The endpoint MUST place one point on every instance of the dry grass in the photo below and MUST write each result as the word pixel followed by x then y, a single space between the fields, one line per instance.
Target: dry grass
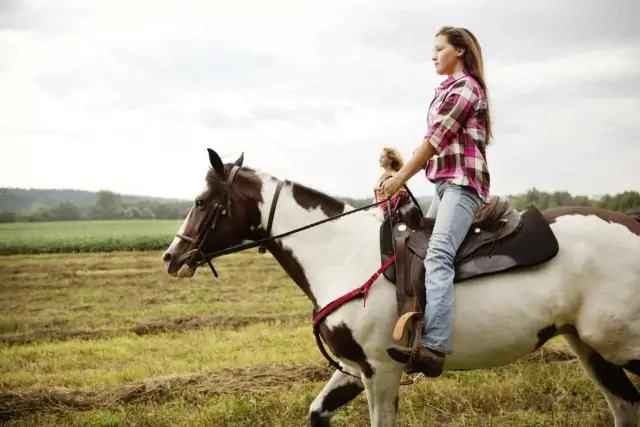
pixel 59 296
pixel 187 322
pixel 109 339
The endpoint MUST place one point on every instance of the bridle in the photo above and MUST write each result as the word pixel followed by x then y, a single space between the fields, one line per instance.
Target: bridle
pixel 222 209
pixel 209 224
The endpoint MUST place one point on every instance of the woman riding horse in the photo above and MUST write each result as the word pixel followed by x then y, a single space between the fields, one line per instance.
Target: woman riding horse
pixel 454 154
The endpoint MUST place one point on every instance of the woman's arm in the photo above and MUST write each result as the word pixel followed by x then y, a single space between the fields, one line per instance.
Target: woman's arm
pixel 420 157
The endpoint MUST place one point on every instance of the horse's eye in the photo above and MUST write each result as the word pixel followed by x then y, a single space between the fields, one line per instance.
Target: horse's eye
pixel 199 202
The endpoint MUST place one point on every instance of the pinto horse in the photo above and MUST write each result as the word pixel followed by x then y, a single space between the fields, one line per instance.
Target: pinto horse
pixel 589 292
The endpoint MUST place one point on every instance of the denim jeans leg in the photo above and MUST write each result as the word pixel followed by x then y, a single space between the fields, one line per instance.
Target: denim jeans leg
pixel 455 214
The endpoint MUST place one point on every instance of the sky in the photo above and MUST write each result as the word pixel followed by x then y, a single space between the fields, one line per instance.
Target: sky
pixel 127 95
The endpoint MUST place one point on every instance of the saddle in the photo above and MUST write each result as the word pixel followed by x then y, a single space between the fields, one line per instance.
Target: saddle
pixel 500 239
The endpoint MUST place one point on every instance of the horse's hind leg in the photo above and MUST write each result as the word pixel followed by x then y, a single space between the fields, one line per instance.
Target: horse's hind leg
pixel 622 396
pixel 340 390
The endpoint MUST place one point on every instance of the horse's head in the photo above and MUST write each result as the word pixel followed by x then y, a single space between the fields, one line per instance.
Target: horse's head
pixel 224 214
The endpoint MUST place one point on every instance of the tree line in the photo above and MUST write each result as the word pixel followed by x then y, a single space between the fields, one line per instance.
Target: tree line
pixel 627 201
pixel 109 206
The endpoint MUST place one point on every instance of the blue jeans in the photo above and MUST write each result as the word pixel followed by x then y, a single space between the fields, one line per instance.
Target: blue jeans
pixel 454 208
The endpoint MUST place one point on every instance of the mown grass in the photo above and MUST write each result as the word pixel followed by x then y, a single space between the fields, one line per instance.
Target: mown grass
pixel 521 396
pixel 237 351
pixel 107 294
pixel 86 236
pixel 131 358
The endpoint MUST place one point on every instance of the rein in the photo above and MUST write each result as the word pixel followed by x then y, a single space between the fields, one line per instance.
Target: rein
pixel 260 243
pixel 224 209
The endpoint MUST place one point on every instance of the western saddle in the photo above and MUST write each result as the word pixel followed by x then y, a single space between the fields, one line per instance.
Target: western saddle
pixel 499 239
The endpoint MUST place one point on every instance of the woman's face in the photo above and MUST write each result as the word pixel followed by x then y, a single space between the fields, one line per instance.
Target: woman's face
pixel 446 58
pixel 384 160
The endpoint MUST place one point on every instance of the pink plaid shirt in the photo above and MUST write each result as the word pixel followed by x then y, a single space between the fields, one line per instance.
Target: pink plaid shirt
pixel 457 131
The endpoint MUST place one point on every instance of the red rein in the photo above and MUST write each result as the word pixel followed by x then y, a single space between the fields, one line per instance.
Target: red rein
pixel 361 291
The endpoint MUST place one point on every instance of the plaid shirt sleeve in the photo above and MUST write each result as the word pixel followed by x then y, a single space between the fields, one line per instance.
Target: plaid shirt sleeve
pixel 451 115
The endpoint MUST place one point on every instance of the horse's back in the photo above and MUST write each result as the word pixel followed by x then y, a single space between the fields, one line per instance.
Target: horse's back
pixel 594 220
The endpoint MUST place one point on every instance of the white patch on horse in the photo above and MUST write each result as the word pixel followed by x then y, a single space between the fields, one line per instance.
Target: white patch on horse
pixel 182 229
pixel 176 240
pixel 604 285
pixel 337 257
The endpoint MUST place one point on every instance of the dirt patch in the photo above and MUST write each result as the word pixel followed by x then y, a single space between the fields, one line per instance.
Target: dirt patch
pixel 255 379
pixel 192 322
pixel 556 353
pixel 149 327
pixel 46 335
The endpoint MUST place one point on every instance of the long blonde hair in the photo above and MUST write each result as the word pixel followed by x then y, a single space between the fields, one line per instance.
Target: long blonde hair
pixel 462 38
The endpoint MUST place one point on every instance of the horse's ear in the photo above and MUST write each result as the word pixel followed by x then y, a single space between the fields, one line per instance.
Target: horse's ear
pixel 240 160
pixel 216 162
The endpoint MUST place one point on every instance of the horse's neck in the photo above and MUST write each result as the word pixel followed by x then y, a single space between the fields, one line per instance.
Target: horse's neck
pixel 335 256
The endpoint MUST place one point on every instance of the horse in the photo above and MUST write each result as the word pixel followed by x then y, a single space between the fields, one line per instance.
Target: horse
pixel 588 292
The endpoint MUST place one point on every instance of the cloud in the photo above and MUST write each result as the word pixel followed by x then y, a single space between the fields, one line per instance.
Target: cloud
pixel 511 32
pixel 308 91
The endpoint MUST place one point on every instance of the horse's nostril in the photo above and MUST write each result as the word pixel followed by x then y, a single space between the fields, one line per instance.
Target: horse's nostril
pixel 166 257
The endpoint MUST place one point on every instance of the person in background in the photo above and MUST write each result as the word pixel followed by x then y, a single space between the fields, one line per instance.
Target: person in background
pixel 390 161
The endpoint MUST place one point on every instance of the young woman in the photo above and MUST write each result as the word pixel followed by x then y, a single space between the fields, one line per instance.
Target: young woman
pixel 453 156
pixel 390 161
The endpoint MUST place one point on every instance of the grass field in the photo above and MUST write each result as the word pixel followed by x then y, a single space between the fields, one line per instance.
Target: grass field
pixel 86 236
pixel 109 339
pixel 89 236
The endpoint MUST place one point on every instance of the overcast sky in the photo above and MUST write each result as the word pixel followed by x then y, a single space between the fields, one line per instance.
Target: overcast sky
pixel 127 95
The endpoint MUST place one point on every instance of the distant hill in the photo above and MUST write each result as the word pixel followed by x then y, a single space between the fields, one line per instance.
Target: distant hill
pixel 20 199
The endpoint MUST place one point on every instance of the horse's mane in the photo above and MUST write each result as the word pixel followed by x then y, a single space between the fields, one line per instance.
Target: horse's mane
pixel 331 205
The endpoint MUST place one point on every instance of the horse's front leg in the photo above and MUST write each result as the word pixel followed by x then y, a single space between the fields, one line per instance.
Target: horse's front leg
pixel 382 390
pixel 340 390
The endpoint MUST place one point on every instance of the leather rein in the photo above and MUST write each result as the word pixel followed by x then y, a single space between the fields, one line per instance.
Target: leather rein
pixel 223 209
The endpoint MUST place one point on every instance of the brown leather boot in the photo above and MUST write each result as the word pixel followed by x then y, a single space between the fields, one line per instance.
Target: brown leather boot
pixel 429 362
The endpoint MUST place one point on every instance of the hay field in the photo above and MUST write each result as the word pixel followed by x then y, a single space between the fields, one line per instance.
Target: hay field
pixel 108 339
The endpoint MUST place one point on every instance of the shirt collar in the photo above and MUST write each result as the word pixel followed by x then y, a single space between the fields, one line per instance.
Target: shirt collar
pixel 452 78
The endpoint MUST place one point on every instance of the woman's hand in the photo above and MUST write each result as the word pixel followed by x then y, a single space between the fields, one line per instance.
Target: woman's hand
pixel 419 159
pixel 391 186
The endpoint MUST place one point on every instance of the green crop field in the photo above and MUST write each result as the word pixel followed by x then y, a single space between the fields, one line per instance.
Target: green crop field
pixel 109 339
pixel 86 236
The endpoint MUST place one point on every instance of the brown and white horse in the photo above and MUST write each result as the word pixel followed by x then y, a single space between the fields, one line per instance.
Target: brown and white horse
pixel 589 292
